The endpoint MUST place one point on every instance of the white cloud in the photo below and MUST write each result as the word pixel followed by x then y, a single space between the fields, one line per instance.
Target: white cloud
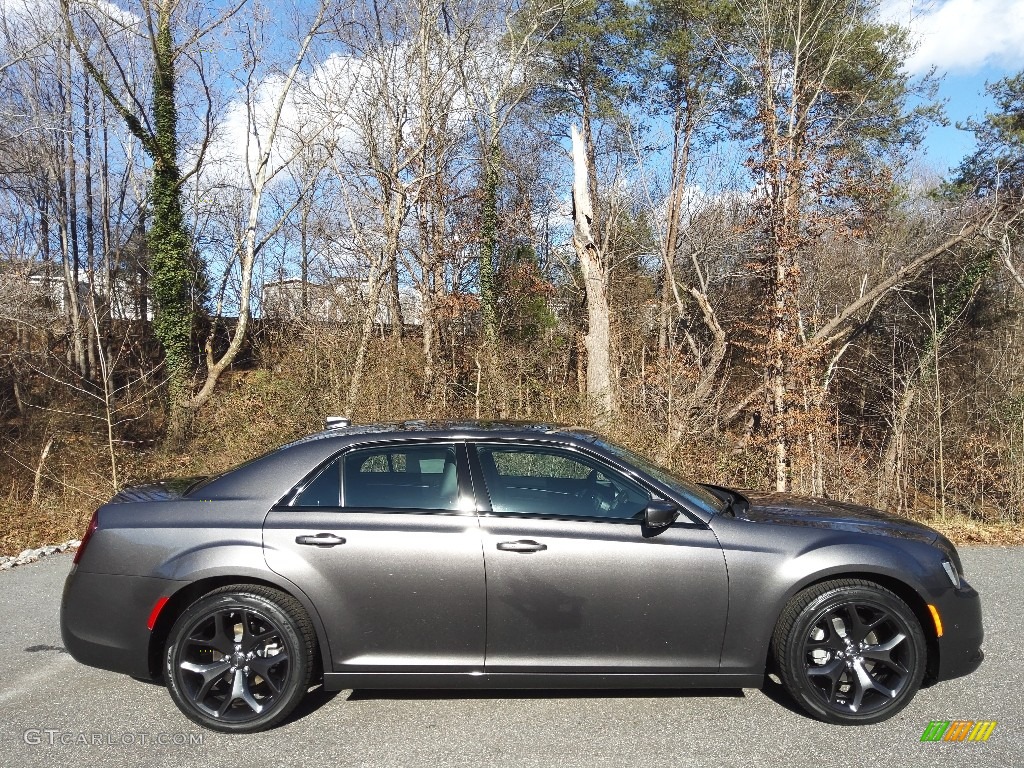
pixel 961 35
pixel 337 100
pixel 34 22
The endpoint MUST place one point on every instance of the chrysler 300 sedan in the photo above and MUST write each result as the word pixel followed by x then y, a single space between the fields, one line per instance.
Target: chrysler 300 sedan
pixel 487 555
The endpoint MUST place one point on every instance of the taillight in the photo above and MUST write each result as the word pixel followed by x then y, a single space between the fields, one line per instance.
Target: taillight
pixel 85 539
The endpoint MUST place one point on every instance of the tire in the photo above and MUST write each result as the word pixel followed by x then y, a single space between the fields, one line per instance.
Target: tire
pixel 240 658
pixel 849 652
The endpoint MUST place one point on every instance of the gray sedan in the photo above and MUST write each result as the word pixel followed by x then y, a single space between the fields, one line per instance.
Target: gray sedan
pixel 489 555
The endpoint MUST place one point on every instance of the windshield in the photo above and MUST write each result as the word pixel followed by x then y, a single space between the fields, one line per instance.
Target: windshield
pixel 697 495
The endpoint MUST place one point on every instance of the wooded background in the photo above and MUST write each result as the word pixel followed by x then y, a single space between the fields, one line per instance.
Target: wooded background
pixel 704 228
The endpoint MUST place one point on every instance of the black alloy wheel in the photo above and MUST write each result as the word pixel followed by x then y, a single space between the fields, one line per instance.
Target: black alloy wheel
pixel 240 658
pixel 850 652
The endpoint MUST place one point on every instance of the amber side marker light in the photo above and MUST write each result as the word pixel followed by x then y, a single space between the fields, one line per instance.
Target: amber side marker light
pixel 936 619
pixel 155 613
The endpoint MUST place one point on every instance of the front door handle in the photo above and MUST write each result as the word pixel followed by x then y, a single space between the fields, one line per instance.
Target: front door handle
pixel 523 545
pixel 320 540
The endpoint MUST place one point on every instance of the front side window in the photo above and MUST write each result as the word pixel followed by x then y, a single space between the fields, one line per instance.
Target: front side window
pixel 388 477
pixel 535 480
pixel 697 495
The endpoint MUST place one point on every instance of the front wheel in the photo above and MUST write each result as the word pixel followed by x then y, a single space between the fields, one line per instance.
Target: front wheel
pixel 240 658
pixel 849 652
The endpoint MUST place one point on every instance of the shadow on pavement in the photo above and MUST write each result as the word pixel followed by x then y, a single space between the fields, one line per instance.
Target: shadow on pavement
pixel 550 693
pixel 777 693
pixel 310 703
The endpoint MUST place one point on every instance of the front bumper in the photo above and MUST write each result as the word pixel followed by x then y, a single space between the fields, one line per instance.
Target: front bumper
pixel 103 619
pixel 960 645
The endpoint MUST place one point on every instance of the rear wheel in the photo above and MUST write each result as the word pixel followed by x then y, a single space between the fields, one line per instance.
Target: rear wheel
pixel 240 658
pixel 849 652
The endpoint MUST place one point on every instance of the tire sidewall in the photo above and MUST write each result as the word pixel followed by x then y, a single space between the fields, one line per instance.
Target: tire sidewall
pixel 806 693
pixel 295 686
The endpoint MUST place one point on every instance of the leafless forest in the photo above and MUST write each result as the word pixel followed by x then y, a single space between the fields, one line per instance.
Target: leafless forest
pixel 706 229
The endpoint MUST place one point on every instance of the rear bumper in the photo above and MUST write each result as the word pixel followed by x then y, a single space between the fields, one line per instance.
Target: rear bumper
pixel 960 645
pixel 103 619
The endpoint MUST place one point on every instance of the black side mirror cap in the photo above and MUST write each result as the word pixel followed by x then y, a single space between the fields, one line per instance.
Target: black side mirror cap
pixel 660 514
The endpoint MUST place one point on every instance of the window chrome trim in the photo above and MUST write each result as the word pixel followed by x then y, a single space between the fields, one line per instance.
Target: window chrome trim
pixel 290 500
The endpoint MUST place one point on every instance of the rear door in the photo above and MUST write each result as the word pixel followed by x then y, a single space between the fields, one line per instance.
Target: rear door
pixel 385 542
pixel 576 584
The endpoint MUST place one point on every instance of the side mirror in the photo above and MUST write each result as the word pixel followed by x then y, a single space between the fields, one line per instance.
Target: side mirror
pixel 660 514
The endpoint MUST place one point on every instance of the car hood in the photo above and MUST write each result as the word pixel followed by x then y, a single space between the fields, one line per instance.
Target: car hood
pixel 787 509
pixel 157 490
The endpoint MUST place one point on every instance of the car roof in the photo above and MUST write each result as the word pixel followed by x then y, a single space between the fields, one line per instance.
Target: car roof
pixel 453 428
pixel 270 476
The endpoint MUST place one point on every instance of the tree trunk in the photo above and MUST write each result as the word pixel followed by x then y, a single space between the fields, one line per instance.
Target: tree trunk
pixel 177 277
pixel 172 266
pixel 890 482
pixel 67 176
pixel 377 276
pixel 489 242
pixel 595 279
pixel 395 314
pixel 680 166
pixel 37 484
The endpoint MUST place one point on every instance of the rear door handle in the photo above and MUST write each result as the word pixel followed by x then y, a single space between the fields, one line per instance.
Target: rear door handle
pixel 320 540
pixel 523 545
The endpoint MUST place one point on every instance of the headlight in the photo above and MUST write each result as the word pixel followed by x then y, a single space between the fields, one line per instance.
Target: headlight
pixel 951 571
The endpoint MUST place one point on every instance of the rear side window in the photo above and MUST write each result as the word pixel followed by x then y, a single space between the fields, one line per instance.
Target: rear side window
pixel 388 477
pixel 325 490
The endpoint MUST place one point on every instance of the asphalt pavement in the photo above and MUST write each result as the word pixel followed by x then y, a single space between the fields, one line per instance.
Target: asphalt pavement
pixel 56 712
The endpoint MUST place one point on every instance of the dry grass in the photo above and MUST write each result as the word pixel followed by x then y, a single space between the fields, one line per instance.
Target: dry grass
pixel 961 530
pixel 257 410
pixel 26 526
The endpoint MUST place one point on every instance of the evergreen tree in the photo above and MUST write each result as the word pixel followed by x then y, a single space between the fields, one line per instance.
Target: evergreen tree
pixel 997 165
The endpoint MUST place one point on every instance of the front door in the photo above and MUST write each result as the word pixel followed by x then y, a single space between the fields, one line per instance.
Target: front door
pixel 576 584
pixel 384 545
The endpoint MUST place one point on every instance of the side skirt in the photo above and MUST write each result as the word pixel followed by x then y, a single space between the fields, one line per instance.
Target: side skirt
pixel 336 681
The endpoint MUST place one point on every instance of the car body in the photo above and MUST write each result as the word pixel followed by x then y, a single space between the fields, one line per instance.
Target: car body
pixel 501 555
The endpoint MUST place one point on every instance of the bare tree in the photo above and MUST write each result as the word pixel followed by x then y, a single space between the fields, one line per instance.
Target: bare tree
pixel 818 78
pixel 403 113
pixel 593 263
pixel 263 157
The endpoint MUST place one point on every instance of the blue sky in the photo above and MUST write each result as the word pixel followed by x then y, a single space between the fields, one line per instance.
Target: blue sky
pixel 969 42
pixel 964 95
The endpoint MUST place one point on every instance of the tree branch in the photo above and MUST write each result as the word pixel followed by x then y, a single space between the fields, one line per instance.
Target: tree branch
pixel 834 330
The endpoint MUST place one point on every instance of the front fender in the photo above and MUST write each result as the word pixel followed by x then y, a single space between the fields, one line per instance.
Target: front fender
pixel 769 563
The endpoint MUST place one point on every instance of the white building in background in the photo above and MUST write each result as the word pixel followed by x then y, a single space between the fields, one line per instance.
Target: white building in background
pixel 44 295
pixel 48 291
pixel 128 302
pixel 339 302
